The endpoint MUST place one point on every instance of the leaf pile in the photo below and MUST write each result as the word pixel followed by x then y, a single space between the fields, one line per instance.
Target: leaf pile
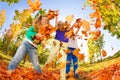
pixel 108 73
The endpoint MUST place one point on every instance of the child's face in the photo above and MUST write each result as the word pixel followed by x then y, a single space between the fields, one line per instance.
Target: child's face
pixel 44 21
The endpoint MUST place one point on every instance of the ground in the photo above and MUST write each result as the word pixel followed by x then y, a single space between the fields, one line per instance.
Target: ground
pixel 105 70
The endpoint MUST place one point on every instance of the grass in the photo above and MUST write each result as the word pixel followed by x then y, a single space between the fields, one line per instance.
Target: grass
pixel 82 67
pixel 99 65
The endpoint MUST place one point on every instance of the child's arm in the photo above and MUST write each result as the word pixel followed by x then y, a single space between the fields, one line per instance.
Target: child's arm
pixel 56 18
pixel 77 31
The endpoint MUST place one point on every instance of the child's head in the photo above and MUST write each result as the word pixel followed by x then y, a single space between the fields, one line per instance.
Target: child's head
pixel 40 21
pixel 62 26
pixel 78 23
pixel 43 19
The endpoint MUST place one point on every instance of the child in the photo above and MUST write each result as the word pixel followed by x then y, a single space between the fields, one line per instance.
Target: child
pixel 72 45
pixel 28 46
pixel 60 44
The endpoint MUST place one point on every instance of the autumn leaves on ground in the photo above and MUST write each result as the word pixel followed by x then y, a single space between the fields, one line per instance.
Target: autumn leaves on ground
pixel 96 71
pixel 106 11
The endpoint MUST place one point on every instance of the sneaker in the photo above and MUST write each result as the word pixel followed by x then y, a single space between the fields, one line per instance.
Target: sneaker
pixel 77 76
pixel 9 72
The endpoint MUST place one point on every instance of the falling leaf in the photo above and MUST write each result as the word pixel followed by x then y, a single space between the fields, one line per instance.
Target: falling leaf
pixel 67 51
pixel 61 44
pixel 45 32
pixel 59 55
pixel 112 47
pixel 81 45
pixel 84 32
pixel 104 53
pixel 76 51
pixel 69 34
pixel 62 65
pixel 80 56
pixel 98 23
pixel 97 34
pixel 34 5
pixel 69 18
pixel 52 13
pixel 54 43
pixel 85 25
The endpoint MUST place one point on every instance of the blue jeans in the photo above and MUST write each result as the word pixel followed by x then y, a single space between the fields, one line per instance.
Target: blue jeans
pixel 71 57
pixel 24 48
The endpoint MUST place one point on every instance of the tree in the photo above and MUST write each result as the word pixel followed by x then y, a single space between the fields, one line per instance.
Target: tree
pixel 109 12
pixel 100 43
pixel 94 47
pixel 2 17
pixel 10 2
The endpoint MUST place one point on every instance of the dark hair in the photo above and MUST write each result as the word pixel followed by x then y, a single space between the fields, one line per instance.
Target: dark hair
pixel 77 20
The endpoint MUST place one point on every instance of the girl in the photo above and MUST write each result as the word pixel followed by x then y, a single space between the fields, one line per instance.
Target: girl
pixel 29 45
pixel 60 45
pixel 72 45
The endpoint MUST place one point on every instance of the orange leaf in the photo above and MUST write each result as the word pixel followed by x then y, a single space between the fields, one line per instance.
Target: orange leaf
pixel 69 18
pixel 80 56
pixel 86 25
pixel 34 5
pixel 76 51
pixel 98 23
pixel 51 14
pixel 104 53
pixel 67 51
pixel 54 43
pixel 59 55
pixel 62 65
pixel 97 34
pixel 84 32
pixel 69 34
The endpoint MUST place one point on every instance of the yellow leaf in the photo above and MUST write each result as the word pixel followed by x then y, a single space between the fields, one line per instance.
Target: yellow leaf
pixel 62 65
pixel 69 18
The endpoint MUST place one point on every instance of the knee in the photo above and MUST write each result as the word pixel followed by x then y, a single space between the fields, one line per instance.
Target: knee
pixel 16 61
pixel 76 64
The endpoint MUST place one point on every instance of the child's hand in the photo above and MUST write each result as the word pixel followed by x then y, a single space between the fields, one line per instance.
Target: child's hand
pixel 38 35
pixel 43 44
pixel 57 12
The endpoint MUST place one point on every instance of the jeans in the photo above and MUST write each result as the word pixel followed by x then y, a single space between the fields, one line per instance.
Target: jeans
pixel 24 48
pixel 71 57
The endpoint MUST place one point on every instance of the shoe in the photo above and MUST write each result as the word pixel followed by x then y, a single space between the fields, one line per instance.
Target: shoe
pixel 77 76
pixel 9 72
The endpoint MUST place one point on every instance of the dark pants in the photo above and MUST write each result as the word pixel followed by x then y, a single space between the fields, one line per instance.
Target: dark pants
pixel 71 58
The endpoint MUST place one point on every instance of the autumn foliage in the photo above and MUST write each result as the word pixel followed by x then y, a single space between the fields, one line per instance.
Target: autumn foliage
pixel 111 72
pixel 2 17
pixel 34 5
pixel 27 74
pixel 51 14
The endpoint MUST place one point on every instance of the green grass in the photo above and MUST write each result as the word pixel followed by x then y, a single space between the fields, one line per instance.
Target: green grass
pixel 99 65
pixel 82 67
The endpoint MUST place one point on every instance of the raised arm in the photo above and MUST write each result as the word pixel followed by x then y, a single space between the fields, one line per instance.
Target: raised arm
pixel 56 18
